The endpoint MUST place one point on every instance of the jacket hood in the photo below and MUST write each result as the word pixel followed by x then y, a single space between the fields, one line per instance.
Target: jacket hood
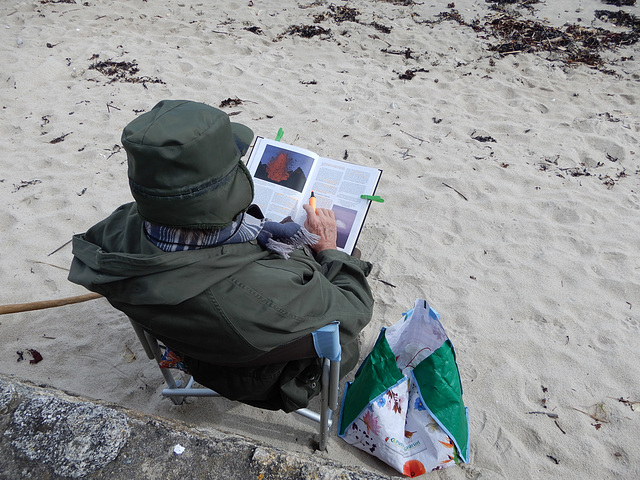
pixel 115 259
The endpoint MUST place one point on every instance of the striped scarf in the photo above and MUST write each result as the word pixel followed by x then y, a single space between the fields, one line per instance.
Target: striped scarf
pixel 279 238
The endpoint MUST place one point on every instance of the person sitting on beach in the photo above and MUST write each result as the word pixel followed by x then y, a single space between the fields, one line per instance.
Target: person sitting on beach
pixel 196 264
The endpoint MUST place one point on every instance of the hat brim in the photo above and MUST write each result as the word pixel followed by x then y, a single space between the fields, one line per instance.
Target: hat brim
pixel 243 136
pixel 211 206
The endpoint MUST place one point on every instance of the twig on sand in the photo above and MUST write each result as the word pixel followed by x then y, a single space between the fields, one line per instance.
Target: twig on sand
pixel 59 248
pixel 110 105
pixel 595 416
pixel 422 140
pixel 548 414
pixel 629 403
pixel 116 149
pixel 446 185
pixel 51 265
pixel 60 138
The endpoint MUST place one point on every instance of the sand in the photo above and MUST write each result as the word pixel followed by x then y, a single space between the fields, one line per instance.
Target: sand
pixel 511 185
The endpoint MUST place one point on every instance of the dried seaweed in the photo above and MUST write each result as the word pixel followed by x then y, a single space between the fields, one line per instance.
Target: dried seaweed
pixel 410 73
pixel 60 138
pixel 455 16
pixel 254 29
pixel 380 27
pixel 620 3
pixel 403 3
pixel 619 19
pixel 526 36
pixel 339 14
pixel 306 31
pixel 572 43
pixel 230 102
pixel 406 53
pixel 520 3
pixel 115 69
pixel 318 3
pixel 122 71
pixel 25 183
pixel 483 138
pixel 343 14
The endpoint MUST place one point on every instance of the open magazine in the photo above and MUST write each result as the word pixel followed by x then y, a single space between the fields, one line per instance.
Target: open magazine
pixel 285 176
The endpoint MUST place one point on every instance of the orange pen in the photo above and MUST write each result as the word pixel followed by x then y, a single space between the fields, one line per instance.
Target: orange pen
pixel 312 201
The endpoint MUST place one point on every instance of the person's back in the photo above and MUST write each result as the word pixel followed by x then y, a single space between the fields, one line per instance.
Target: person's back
pixel 195 266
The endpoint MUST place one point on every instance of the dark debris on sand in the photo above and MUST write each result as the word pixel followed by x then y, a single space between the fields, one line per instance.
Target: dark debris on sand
pixel 571 43
pixel 254 29
pixel 121 71
pixel 305 31
pixel 403 3
pixel 505 29
pixel 339 14
pixel 620 3
pixel 230 102
pixel 498 4
pixel 410 73
pixel 343 13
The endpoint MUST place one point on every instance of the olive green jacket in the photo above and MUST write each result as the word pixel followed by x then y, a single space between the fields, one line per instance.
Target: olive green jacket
pixel 228 305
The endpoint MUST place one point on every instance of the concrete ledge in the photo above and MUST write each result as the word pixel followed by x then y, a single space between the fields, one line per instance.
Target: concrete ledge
pixel 49 434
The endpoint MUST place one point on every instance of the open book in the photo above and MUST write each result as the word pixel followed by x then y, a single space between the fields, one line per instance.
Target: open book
pixel 284 177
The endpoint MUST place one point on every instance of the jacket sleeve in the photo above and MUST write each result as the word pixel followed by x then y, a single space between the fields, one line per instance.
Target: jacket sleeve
pixel 277 300
pixel 348 274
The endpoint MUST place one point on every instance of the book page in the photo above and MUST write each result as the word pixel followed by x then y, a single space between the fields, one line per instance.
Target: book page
pixel 337 186
pixel 284 177
pixel 280 174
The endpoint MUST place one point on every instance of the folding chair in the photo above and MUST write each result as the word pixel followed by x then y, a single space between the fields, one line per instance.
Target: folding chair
pixel 323 343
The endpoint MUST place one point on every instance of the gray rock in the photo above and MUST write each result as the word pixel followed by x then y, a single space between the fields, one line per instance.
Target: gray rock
pixel 51 435
pixel 74 438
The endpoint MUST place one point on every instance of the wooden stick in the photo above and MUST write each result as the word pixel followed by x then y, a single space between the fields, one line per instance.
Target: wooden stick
pixel 26 307
pixel 446 185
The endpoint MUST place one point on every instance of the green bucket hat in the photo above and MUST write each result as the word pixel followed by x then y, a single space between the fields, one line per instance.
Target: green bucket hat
pixel 184 165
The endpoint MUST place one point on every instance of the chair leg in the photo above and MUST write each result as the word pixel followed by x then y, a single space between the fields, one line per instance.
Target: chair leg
pixel 325 405
pixel 143 339
pixel 168 376
pixel 334 384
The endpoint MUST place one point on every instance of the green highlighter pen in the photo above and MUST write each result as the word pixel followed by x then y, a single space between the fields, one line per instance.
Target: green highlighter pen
pixel 373 198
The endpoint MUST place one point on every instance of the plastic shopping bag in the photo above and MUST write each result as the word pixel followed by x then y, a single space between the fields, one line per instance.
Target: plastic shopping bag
pixel 405 404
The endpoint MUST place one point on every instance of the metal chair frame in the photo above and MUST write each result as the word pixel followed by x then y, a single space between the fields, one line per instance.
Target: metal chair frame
pixel 329 379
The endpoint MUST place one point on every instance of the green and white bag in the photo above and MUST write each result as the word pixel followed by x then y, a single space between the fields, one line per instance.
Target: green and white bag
pixel 405 403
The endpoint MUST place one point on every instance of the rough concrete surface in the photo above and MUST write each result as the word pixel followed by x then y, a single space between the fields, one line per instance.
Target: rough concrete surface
pixel 47 434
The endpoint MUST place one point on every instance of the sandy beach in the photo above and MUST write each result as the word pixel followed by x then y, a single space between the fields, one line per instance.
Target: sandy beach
pixel 511 179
